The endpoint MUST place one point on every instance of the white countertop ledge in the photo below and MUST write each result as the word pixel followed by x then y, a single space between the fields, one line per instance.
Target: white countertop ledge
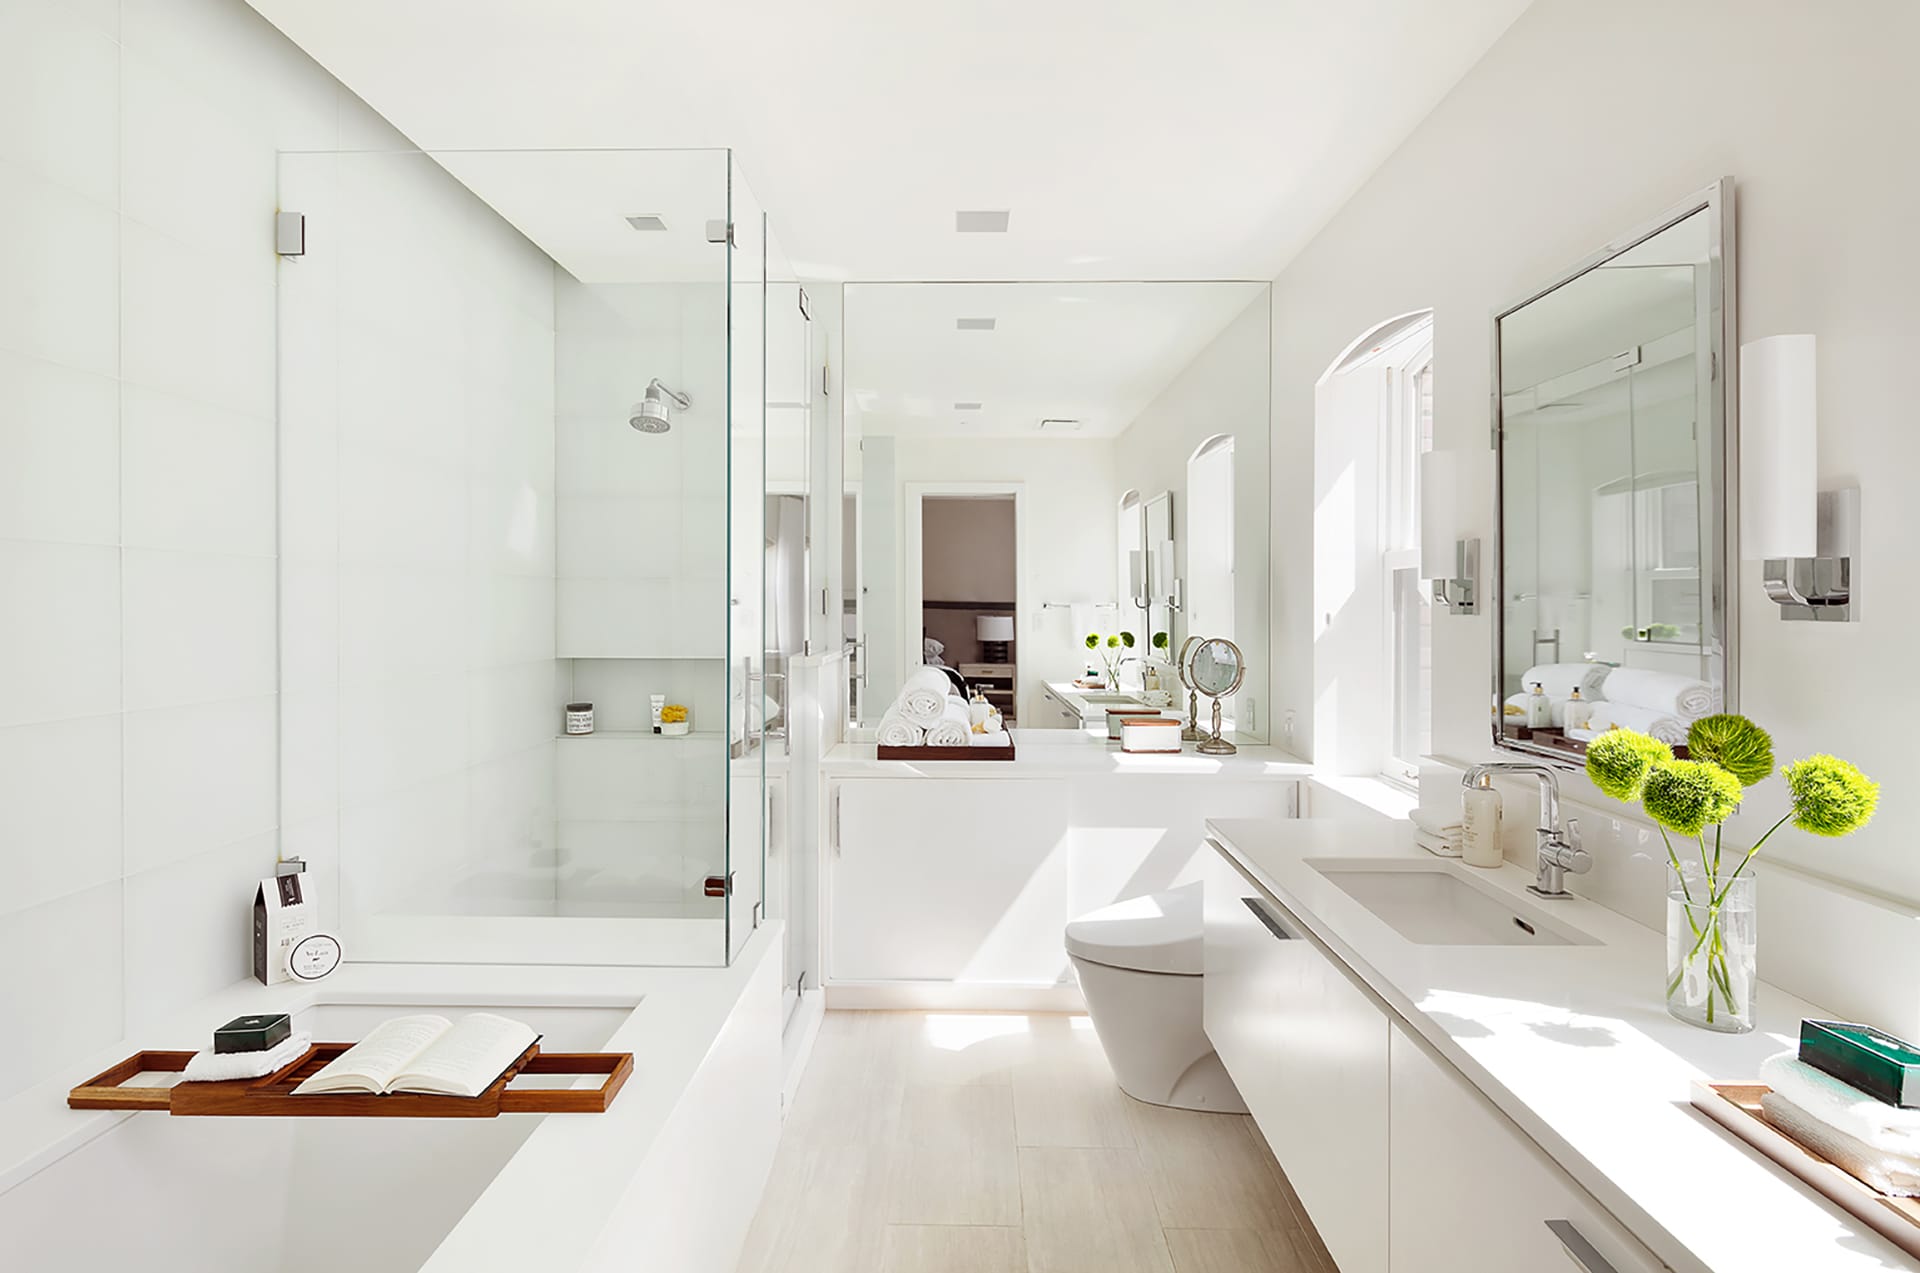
pixel 1052 753
pixel 1575 1045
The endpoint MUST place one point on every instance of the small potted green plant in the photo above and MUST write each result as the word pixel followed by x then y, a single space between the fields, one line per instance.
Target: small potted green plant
pixel 1711 935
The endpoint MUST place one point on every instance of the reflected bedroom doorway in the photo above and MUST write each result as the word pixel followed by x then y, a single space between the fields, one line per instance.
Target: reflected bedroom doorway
pixel 967 591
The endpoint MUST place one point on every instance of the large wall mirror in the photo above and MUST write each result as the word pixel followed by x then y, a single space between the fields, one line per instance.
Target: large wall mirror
pixel 1615 448
pixel 1040 461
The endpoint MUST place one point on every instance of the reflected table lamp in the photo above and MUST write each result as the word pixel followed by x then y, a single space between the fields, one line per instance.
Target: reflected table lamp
pixel 994 631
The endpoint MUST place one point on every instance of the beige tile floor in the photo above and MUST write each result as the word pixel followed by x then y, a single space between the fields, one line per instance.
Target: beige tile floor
pixel 983 1143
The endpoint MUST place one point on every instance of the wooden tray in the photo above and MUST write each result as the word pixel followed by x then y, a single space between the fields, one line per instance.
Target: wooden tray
pixel 1736 1107
pixel 948 753
pixel 272 1096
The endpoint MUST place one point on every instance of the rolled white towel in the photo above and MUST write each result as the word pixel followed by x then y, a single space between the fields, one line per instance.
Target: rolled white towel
pixel 224 1067
pixel 1896 1175
pixel 923 697
pixel 1883 1128
pixel 1668 729
pixel 1668 693
pixel 953 728
pixel 897 731
pixel 1559 679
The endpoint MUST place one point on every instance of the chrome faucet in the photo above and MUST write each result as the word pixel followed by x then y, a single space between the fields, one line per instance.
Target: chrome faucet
pixel 1556 845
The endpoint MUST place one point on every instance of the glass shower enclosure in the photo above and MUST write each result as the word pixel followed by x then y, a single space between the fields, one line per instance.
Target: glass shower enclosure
pixel 522 463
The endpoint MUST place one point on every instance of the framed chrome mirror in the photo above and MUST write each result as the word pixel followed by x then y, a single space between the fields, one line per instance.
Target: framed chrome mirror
pixel 1217 669
pixel 1191 733
pixel 1615 443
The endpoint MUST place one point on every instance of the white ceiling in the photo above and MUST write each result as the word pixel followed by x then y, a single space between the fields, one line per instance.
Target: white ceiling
pixel 1094 352
pixel 1128 138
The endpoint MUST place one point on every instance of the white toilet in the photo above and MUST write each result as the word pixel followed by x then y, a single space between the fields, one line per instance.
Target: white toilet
pixel 1139 965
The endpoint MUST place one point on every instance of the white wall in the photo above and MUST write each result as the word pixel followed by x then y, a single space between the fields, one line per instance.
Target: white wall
pixel 642 559
pixel 138 711
pixel 1495 193
pixel 1224 390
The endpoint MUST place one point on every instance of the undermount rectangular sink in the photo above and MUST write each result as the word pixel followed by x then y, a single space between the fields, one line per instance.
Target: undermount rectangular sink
pixel 1428 904
pixel 1107 698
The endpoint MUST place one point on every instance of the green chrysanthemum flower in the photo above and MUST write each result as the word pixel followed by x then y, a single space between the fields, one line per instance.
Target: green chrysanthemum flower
pixel 1687 796
pixel 1161 641
pixel 1093 640
pixel 1113 643
pixel 1126 639
pixel 1618 761
pixel 1830 796
pixel 1735 744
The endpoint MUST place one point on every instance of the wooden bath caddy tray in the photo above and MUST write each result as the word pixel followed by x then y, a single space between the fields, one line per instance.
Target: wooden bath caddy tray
pixel 272 1096
pixel 946 753
pixel 1736 1107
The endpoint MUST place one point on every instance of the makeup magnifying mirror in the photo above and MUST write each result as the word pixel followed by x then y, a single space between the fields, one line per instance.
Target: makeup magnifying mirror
pixel 1216 670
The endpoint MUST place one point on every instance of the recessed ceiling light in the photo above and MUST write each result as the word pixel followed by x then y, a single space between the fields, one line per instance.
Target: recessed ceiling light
pixel 966 406
pixel 981 221
pixel 648 221
pixel 975 324
pixel 1061 426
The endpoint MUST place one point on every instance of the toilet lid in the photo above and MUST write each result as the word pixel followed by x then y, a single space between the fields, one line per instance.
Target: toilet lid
pixel 1156 933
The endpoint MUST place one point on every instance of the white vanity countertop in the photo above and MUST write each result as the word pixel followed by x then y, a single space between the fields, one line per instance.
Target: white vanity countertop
pixel 1049 753
pixel 1575 1045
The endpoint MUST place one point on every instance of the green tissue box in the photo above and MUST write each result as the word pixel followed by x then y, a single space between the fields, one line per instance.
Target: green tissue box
pixel 1872 1060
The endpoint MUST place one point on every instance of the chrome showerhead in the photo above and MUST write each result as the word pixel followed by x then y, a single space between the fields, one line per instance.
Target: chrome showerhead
pixel 650 414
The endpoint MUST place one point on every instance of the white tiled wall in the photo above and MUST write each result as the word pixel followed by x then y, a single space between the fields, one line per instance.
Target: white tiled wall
pixel 417 505
pixel 138 709
pixel 643 517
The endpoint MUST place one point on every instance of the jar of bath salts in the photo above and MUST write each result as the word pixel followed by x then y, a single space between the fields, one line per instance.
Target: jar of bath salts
pixel 579 718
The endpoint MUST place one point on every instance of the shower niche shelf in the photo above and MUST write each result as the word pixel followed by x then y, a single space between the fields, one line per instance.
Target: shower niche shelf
pixel 272 1096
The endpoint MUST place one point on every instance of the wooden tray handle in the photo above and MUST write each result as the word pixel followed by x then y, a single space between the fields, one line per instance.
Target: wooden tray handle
pixel 616 1066
pixel 105 1091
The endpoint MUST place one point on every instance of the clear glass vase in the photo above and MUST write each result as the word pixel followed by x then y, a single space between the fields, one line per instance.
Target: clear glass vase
pixel 1712 937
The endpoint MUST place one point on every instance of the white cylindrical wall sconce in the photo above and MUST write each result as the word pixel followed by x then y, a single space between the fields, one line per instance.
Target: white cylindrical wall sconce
pixel 1807 540
pixel 1779 449
pixel 1452 485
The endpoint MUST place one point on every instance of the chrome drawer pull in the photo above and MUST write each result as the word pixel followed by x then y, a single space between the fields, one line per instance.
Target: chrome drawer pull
pixel 1266 918
pixel 1580 1250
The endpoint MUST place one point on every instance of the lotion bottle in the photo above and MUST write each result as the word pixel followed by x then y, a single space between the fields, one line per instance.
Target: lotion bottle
pixel 1579 711
pixel 1480 825
pixel 1539 708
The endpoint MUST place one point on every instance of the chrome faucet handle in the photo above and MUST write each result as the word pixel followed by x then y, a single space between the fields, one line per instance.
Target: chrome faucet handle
pixel 1559 857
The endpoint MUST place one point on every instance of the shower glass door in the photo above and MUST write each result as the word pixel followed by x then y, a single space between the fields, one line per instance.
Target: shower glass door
pixel 521 467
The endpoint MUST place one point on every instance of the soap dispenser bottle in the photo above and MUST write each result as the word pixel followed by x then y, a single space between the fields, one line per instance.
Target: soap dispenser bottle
pixel 1539 708
pixel 1579 711
pixel 1480 824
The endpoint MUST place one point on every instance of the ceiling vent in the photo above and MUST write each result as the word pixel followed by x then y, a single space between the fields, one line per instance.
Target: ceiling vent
pixel 967 406
pixel 1061 426
pixel 648 222
pixel 981 221
pixel 975 324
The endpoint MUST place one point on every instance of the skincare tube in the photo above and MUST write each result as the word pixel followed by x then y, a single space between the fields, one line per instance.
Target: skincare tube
pixel 659 701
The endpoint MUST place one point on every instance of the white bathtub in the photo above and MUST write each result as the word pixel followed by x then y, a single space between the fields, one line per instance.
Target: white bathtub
pixel 277 1195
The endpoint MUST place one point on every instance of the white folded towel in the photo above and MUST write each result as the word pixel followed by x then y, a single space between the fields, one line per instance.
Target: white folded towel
pixel 224 1067
pixel 1664 726
pixel 1895 1175
pixel 897 731
pixel 988 740
pixel 1883 1128
pixel 923 697
pixel 1559 679
pixel 1439 846
pixel 1446 825
pixel 1668 693
pixel 953 729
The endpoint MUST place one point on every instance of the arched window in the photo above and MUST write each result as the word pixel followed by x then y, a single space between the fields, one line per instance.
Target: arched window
pixel 1210 514
pixel 1373 654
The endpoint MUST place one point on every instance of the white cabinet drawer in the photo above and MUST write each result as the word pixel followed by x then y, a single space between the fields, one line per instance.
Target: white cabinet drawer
pixel 1471 1193
pixel 1308 1050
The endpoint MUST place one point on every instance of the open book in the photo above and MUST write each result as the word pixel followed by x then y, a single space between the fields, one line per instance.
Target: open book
pixel 425 1054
